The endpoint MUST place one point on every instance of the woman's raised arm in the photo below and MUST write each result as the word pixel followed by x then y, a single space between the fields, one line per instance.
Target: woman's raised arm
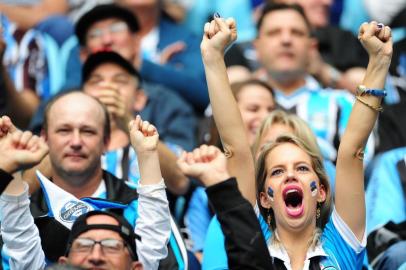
pixel 218 34
pixel 350 198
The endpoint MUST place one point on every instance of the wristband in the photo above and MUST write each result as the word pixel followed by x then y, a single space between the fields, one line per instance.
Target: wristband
pixel 5 179
pixel 363 90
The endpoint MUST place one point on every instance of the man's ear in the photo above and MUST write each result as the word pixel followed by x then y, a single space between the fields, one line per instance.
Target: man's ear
pixel 314 44
pixel 140 100
pixel 63 260
pixel 44 135
pixel 136 266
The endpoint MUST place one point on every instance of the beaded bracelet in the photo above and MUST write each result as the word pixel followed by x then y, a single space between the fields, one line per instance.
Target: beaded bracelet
pixel 375 108
pixel 363 90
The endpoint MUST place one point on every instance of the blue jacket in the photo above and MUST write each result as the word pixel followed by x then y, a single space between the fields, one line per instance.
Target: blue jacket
pixel 184 72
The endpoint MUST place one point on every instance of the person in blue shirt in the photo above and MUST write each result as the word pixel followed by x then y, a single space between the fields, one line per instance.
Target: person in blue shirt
pixel 385 202
pixel 180 71
pixel 116 83
pixel 77 131
pixel 170 52
pixel 285 60
pixel 292 192
pixel 206 234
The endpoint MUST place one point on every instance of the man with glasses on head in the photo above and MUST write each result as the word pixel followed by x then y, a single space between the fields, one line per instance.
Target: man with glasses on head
pixel 103 240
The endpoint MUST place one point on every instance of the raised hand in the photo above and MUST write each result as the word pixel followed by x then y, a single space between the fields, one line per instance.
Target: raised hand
pixel 218 34
pixel 169 51
pixel 21 150
pixel 207 163
pixel 6 126
pixel 109 95
pixel 143 135
pixel 376 39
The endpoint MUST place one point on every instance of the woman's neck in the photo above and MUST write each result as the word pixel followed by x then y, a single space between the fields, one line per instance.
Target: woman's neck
pixel 296 244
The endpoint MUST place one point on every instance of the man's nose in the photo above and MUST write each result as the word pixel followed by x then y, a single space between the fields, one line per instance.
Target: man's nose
pixel 76 139
pixel 96 255
pixel 107 38
pixel 286 37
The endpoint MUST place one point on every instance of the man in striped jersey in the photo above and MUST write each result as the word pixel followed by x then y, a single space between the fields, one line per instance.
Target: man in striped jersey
pixel 283 45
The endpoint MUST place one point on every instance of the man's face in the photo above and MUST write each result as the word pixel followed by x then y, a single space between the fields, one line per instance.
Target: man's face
pixel 99 257
pixel 75 135
pixel 283 43
pixel 109 80
pixel 114 35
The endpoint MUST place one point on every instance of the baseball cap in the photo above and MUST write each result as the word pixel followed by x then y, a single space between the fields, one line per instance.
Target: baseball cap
pixel 102 12
pixel 102 57
pixel 124 229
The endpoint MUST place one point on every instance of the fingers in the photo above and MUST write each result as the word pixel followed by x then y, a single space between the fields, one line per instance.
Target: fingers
pixel 148 129
pixel 6 126
pixel 203 154
pixel 134 124
pixel 206 31
pixel 32 143
pixel 231 23
pixel 41 148
pixel 28 141
pixel 171 50
pixel 386 34
pixel 24 139
pixel 213 29
pixel 368 30
pixel 145 127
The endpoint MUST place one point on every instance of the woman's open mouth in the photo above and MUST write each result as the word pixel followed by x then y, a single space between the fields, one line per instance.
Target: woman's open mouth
pixel 293 197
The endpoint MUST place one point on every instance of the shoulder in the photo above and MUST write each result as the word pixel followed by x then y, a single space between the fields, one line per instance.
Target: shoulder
pixel 337 234
pixel 118 190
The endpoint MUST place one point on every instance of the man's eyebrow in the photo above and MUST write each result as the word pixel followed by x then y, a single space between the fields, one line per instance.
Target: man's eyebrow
pixel 95 76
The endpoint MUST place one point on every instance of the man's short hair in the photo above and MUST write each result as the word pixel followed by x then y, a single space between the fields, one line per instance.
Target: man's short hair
pixel 106 126
pixel 102 57
pixel 282 6
pixel 124 229
pixel 103 12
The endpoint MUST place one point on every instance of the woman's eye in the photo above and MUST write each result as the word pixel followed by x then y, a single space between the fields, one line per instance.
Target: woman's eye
pixel 276 172
pixel 303 168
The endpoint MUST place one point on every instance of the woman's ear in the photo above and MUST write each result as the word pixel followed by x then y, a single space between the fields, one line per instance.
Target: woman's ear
pixel 265 200
pixel 322 193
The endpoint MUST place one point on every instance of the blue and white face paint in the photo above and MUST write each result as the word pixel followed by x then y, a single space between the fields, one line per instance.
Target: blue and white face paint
pixel 270 193
pixel 313 188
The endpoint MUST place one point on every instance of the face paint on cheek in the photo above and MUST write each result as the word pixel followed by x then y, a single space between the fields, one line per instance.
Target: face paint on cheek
pixel 270 193
pixel 313 188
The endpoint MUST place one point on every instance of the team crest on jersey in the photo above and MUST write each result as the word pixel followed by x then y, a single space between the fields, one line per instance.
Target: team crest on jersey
pixel 72 210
